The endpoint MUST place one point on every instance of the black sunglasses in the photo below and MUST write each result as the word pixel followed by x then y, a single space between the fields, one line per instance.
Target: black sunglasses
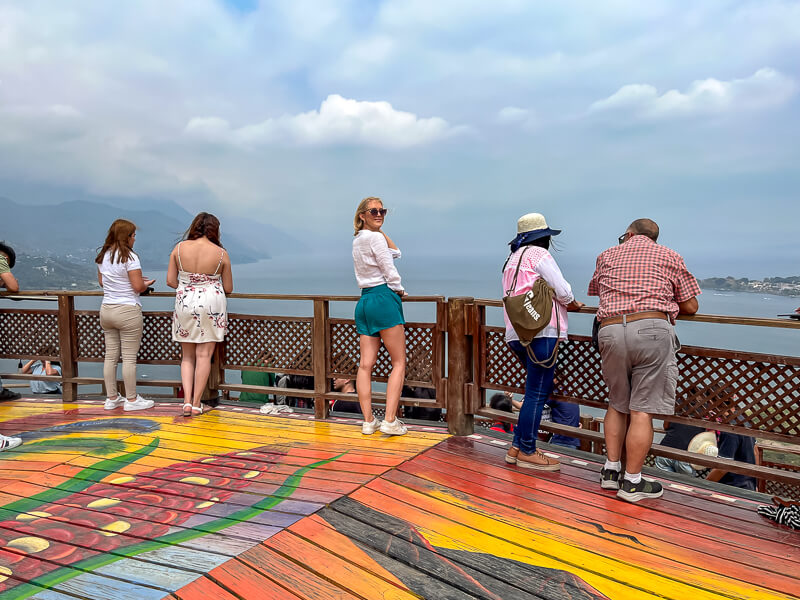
pixel 377 211
pixel 621 239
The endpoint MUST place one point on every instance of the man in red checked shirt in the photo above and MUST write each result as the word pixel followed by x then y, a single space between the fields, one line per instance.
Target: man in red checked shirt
pixel 642 288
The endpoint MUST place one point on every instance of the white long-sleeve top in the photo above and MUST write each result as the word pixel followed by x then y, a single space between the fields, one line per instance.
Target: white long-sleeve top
pixel 373 261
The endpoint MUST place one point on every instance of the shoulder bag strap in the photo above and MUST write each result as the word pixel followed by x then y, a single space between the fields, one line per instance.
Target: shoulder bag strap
pixel 516 273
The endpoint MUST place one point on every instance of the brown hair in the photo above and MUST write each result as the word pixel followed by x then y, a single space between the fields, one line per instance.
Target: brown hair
pixel 358 224
pixel 117 241
pixel 645 227
pixel 204 224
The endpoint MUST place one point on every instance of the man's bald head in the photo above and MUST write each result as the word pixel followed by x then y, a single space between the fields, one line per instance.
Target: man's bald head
pixel 646 227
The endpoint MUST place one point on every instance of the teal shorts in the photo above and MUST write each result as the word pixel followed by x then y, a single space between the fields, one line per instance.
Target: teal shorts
pixel 379 308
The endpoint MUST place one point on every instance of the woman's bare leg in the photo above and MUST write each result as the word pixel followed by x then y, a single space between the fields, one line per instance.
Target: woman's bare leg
pixel 369 354
pixel 394 339
pixel 187 370
pixel 202 368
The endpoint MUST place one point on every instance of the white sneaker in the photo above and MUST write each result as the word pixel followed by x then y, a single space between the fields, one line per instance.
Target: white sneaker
pixel 368 428
pixel 138 404
pixel 396 427
pixel 112 403
pixel 7 443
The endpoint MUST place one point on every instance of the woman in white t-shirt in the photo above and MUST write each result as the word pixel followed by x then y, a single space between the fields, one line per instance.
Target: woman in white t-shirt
pixel 120 275
pixel 379 314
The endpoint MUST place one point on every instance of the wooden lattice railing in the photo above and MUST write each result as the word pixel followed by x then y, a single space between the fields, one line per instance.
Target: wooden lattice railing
pixel 457 354
pixel 317 346
pixel 747 393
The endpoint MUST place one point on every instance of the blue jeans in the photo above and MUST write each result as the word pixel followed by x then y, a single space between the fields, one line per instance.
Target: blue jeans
pixel 674 466
pixel 538 386
pixel 564 413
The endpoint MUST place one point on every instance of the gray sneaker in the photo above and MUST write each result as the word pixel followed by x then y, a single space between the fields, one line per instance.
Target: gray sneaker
pixel 368 428
pixel 609 479
pixel 138 404
pixel 7 394
pixel 633 492
pixel 7 443
pixel 112 403
pixel 396 427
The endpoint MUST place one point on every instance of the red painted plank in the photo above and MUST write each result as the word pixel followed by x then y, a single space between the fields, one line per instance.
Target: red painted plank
pixel 578 529
pixel 698 509
pixel 603 509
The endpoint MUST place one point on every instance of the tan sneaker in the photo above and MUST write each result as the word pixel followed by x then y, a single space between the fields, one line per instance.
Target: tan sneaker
pixel 538 461
pixel 511 455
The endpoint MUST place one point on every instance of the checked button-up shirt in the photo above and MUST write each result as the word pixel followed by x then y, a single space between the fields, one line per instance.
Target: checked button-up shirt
pixel 641 275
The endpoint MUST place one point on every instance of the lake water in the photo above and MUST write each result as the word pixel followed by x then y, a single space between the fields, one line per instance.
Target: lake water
pixel 477 277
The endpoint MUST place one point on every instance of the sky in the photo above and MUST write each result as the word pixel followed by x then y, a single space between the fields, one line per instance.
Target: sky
pixel 461 115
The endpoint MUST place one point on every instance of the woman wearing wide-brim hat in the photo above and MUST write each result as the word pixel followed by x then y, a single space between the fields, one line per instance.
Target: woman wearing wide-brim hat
pixel 379 313
pixel 532 245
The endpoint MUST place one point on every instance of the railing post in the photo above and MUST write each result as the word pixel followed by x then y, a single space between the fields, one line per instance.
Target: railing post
pixel 320 353
pixel 68 346
pixel 586 423
pixel 460 368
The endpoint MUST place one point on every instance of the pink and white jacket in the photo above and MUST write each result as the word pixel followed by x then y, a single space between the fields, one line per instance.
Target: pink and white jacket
pixel 537 263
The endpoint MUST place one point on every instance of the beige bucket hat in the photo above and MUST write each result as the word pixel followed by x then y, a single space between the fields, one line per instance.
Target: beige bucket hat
pixel 703 443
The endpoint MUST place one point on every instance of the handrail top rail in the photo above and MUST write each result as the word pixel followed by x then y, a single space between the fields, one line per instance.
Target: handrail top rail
pixel 54 294
pixel 491 302
pixel 697 318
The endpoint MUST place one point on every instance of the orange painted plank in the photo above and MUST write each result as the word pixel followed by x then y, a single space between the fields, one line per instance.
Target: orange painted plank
pixel 316 530
pixel 362 582
pixel 303 583
pixel 247 583
pixel 203 588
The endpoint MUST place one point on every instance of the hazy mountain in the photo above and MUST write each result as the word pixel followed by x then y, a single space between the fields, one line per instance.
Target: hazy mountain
pixel 75 231
pixel 261 239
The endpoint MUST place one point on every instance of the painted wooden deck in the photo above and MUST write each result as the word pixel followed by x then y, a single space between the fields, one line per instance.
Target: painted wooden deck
pixel 234 505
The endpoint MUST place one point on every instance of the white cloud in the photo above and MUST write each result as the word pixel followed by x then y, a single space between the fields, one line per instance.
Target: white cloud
pixel 338 121
pixel 765 88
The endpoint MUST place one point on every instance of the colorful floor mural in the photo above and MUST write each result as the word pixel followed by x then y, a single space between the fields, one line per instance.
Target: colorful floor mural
pixel 234 505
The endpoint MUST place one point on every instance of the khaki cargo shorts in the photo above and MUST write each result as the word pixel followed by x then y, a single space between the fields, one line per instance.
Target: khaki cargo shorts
pixel 639 366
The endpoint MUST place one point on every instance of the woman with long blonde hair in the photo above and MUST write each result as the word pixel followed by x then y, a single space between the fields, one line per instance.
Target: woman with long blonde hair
pixel 379 314
pixel 119 273
pixel 200 269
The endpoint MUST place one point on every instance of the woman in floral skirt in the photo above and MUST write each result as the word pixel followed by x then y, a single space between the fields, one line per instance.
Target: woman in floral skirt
pixel 200 269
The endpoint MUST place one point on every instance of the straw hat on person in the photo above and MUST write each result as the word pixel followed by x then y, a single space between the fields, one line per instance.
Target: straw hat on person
pixel 535 222
pixel 703 443
pixel 531 227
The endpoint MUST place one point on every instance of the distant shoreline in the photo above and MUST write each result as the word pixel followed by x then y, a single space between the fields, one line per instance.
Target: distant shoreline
pixel 774 286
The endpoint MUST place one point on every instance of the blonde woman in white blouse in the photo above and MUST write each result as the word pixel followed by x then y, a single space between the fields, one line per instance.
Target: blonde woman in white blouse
pixel 379 313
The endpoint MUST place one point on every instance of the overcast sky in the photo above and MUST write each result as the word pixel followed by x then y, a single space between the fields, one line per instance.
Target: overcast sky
pixel 461 115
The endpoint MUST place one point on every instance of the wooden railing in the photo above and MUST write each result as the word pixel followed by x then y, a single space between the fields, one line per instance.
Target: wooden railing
pixel 316 345
pixel 763 389
pixel 456 353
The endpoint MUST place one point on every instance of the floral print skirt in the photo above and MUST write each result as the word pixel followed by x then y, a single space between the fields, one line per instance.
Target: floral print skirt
pixel 200 309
